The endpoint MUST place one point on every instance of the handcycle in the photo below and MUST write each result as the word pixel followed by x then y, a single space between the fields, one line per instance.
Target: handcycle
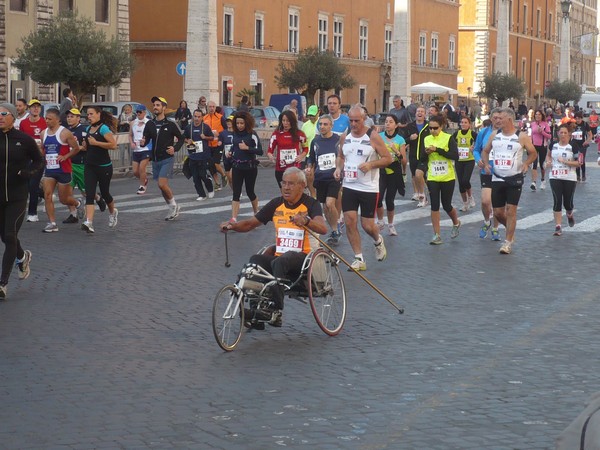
pixel 247 303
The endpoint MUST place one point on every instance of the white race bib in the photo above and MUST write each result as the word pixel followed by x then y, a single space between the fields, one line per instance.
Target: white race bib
pixel 560 173
pixel 326 161
pixel 52 161
pixel 199 146
pixel 287 156
pixel 289 240
pixel 350 173
pixel 503 163
pixel 463 152
pixel 227 148
pixel 439 167
pixel 578 135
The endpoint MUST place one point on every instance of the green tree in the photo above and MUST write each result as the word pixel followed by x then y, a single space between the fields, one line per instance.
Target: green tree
pixel 311 71
pixel 563 91
pixel 501 87
pixel 72 50
pixel 251 94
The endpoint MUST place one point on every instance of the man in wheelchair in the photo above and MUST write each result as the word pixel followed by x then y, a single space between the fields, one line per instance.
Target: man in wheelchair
pixel 290 213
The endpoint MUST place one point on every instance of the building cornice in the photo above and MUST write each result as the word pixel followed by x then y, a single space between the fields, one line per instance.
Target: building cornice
pixel 157 45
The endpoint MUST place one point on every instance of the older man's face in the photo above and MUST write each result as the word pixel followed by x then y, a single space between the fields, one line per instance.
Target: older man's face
pixel 212 107
pixel 396 102
pixel 6 119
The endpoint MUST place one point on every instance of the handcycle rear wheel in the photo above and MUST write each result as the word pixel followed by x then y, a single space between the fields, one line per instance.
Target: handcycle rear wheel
pixel 327 293
pixel 228 317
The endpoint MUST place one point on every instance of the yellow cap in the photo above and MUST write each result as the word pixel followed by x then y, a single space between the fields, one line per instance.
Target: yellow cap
pixel 160 99
pixel 75 111
pixel 34 101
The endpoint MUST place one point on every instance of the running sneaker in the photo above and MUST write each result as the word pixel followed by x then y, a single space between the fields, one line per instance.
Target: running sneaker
pixel 233 220
pixel 424 202
pixel 50 228
pixel 455 231
pixel 33 218
pixel 334 238
pixel 415 197
pixel 141 190
pixel 357 264
pixel 506 248
pixel 381 225
pixel 3 290
pixel 571 220
pixel 340 227
pixel 223 181
pixel 101 203
pixel 380 251
pixel 173 212
pixel 495 234
pixel 464 207
pixel 276 318
pixel 113 218
pixel 583 179
pixel 71 219
pixel 87 227
pixel 217 186
pixel 211 194
pixel 436 240
pixel 483 231
pixel 471 202
pixel 557 230
pixel 532 186
pixel 392 230
pixel 543 185
pixel 80 210
pixel 200 199
pixel 23 266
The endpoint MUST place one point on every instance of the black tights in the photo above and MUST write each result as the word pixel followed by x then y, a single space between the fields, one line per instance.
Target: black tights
pixel 239 177
pixel 100 176
pixel 11 219
pixel 443 189
pixel 563 192
pixel 464 170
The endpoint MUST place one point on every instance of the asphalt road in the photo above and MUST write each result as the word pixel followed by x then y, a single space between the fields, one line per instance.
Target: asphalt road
pixel 109 344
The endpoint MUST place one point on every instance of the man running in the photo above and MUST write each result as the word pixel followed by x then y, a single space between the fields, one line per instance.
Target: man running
pixel 360 157
pixel 217 123
pixel 415 134
pixel 508 172
pixel 140 155
pixel 22 112
pixel 20 158
pixel 163 133
pixel 290 213
pixel 198 136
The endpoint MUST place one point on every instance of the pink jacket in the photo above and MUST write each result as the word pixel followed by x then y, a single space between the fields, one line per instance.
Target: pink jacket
pixel 540 132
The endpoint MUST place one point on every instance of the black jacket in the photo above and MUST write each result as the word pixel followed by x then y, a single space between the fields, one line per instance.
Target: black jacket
pixel 163 138
pixel 20 158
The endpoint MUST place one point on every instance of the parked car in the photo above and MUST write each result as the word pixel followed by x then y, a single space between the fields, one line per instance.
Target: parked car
pixel 47 105
pixel 115 108
pixel 265 116
pixel 280 101
pixel 227 111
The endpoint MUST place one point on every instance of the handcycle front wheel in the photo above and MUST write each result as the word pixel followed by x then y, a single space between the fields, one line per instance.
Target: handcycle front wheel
pixel 228 317
pixel 327 293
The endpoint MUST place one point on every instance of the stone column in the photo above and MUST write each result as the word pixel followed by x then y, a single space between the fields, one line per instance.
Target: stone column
pixel 4 75
pixel 43 15
pixel 502 42
pixel 564 68
pixel 202 62
pixel 401 52
pixel 124 89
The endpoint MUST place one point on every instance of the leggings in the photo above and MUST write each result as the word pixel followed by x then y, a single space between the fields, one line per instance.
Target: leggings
pixel 464 170
pixel 34 193
pixel 581 170
pixel 11 218
pixel 240 177
pixel 97 176
pixel 542 150
pixel 563 192
pixel 279 177
pixel 388 186
pixel 443 189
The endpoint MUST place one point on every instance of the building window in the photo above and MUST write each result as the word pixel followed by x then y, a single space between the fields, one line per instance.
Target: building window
pixel 18 5
pixel 493 67
pixel 422 49
pixel 258 97
pixel 452 52
pixel 65 6
pixel 524 19
pixel 510 66
pixel 293 30
pixel 523 68
pixel 537 71
pixel 550 25
pixel 434 49
pixel 362 95
pixel 549 71
pixel 259 37
pixel 226 100
pixel 323 33
pixel 102 11
pixel 387 48
pixel 510 15
pixel 363 39
pixel 538 23
pixel 338 36
pixel 228 26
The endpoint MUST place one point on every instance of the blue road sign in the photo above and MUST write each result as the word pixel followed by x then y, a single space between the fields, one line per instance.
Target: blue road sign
pixel 181 68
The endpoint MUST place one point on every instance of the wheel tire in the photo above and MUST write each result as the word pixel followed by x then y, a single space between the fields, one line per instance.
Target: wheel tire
pixel 327 293
pixel 228 318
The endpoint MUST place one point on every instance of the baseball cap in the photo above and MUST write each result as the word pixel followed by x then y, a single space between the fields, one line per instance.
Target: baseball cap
pixel 159 99
pixel 11 108
pixel 34 101
pixel 313 110
pixel 75 111
pixel 140 108
pixel 230 117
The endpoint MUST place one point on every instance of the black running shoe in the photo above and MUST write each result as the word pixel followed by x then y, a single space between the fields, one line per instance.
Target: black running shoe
pixel 571 220
pixel 71 219
pixel 101 203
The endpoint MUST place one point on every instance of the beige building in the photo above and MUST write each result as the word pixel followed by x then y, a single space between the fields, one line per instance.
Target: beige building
pixel 19 17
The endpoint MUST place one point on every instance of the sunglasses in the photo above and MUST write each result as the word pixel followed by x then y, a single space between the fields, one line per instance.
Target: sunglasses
pixel 434 128
pixel 5 113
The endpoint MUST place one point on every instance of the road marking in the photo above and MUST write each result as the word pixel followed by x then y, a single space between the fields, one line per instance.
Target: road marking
pixel 588 225
pixel 467 218
pixel 535 219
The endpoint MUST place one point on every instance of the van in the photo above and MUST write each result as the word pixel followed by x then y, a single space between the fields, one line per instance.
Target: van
pixel 587 102
pixel 279 101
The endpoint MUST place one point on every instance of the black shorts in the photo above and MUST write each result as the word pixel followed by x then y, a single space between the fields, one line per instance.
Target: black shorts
pixel 217 154
pixel 327 189
pixel 486 180
pixel 367 201
pixel 503 194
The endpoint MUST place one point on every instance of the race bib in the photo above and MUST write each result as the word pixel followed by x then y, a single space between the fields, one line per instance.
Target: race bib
pixel 350 173
pixel 463 152
pixel 199 146
pixel 287 156
pixel 559 173
pixel 52 161
pixel 227 148
pixel 578 135
pixel 439 168
pixel 502 163
pixel 289 240
pixel 326 161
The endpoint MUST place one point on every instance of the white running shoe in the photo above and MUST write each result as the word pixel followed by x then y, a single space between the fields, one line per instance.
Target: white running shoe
pixel 381 225
pixel 173 212
pixel 543 185
pixel 23 266
pixel 415 197
pixel 200 199
pixel 506 248
pixel 392 230
pixel 380 251
pixel 464 207
pixel 358 264
pixel 211 194
pixel 33 218
pixel 112 219
pixel 423 203
pixel 471 202
pixel 50 228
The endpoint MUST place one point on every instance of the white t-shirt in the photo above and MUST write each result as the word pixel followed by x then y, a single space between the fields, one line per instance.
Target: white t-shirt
pixel 137 130
pixel 18 120
pixel 358 150
pixel 561 171
pixel 508 156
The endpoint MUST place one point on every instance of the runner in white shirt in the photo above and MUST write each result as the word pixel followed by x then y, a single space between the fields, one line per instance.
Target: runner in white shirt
pixel 361 155
pixel 140 155
pixel 22 112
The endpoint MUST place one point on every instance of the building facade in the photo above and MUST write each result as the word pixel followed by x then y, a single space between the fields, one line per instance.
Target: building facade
pixel 20 17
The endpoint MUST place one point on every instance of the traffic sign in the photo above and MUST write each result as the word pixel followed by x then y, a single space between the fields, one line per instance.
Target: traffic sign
pixel 230 85
pixel 181 68
pixel 253 77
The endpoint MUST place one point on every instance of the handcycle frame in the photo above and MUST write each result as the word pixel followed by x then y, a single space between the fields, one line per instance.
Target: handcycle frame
pixel 246 303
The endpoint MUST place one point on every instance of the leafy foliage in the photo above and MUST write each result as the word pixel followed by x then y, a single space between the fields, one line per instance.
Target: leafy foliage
pixel 72 50
pixel 501 86
pixel 564 91
pixel 313 70
pixel 251 94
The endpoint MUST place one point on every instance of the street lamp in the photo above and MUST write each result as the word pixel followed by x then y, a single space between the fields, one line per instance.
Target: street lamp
pixel 565 41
